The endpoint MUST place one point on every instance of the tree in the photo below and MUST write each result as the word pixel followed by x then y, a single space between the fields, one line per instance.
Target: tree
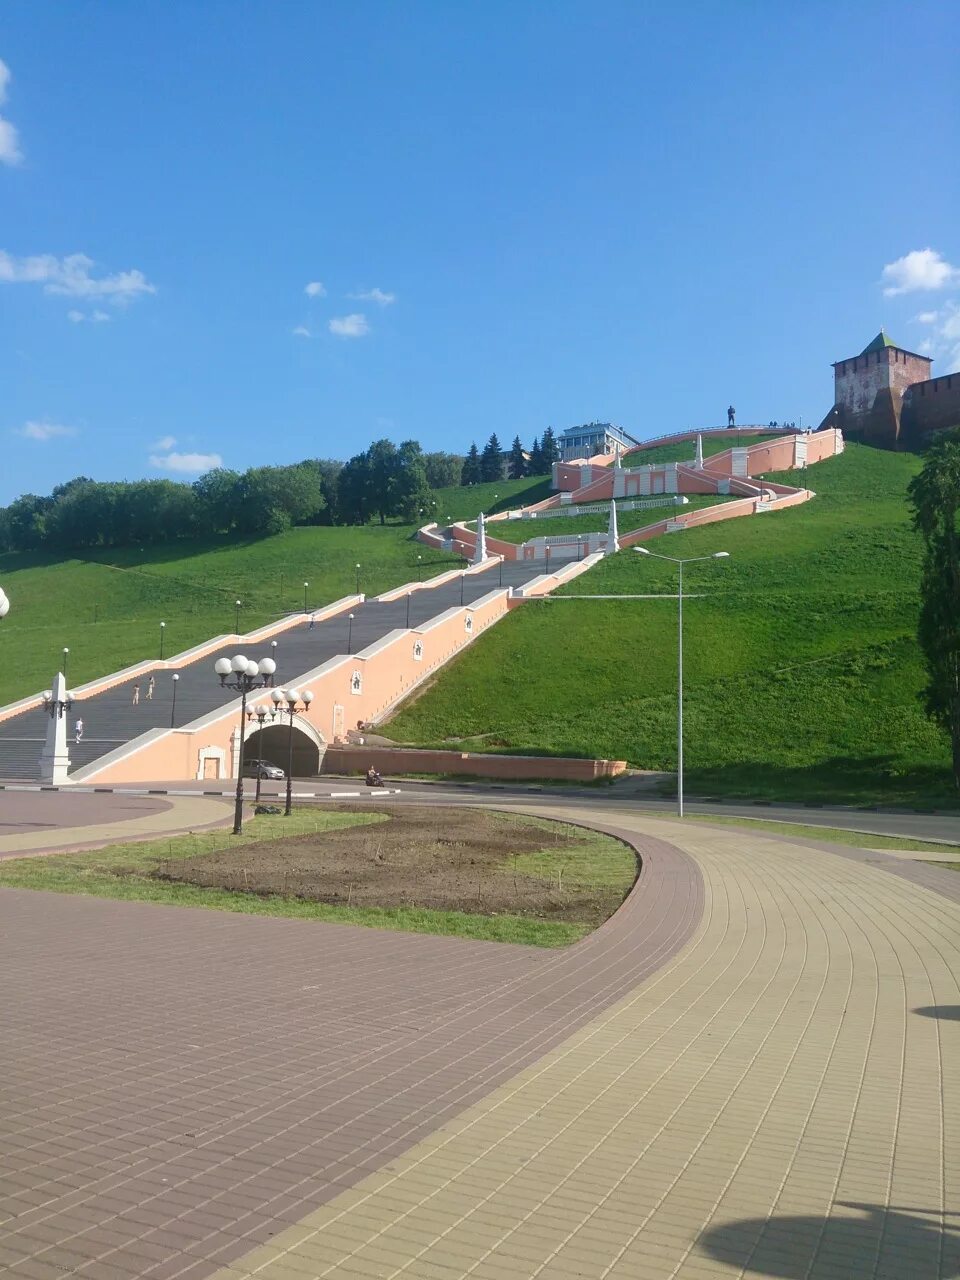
pixel 353 490
pixel 412 491
pixel 383 466
pixel 535 465
pixel 491 460
pixel 935 494
pixel 550 451
pixel 443 469
pixel 218 500
pixel 517 466
pixel 470 472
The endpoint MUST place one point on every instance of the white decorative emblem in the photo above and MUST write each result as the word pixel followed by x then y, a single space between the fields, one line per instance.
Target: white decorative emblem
pixel 356 683
pixel 418 651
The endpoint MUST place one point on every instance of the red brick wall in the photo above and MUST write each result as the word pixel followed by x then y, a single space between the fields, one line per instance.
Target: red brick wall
pixel 931 406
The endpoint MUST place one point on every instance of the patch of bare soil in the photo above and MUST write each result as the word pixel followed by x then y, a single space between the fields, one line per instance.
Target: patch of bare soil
pixel 444 859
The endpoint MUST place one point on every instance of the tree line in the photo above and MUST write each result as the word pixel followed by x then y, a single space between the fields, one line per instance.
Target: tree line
pixel 487 465
pixel 385 481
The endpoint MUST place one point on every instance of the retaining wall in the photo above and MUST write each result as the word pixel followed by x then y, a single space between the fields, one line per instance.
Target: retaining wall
pixel 404 760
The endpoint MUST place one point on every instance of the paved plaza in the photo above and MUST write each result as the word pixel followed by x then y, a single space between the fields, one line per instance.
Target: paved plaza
pixel 750 1070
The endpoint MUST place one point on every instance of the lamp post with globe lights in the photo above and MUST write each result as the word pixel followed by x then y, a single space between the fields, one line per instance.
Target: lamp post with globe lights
pixel 243 675
pixel 261 713
pixel 294 703
pixel 717 555
pixel 163 627
pixel 237 605
pixel 175 679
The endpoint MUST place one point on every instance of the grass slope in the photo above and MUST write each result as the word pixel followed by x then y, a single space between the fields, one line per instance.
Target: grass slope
pixel 801 667
pixel 685 450
pixel 191 586
pixel 500 495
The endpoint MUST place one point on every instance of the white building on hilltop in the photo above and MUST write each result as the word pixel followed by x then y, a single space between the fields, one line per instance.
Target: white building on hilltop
pixel 592 438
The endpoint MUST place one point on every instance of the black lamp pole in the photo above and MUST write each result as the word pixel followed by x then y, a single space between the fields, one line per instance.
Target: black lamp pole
pixel 163 627
pixel 409 594
pixel 173 704
pixel 350 633
pixel 236 625
pixel 357 568
pixel 66 655
pixel 305 585
pixel 419 568
pixel 243 675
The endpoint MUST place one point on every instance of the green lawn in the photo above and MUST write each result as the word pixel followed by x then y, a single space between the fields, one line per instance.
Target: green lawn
pixel 501 495
pixel 800 661
pixel 191 586
pixel 124 871
pixel 684 452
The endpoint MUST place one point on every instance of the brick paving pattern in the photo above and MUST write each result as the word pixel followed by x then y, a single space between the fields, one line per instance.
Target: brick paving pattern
pixel 782 1099
pixel 177 1086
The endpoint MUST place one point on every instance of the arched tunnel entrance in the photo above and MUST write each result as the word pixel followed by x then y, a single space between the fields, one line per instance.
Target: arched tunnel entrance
pixel 272 743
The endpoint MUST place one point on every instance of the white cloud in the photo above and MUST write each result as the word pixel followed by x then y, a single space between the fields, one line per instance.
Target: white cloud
pixel 164 444
pixel 352 326
pixel 919 269
pixel 44 431
pixel 70 277
pixel 191 463
pixel 301 331
pixel 927 317
pixel 95 317
pixel 10 152
pixel 315 290
pixel 375 295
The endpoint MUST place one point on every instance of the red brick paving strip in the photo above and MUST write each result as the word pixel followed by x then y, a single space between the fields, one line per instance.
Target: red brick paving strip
pixel 177 1086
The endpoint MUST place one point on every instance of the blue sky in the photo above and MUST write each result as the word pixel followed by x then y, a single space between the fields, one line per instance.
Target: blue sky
pixel 556 212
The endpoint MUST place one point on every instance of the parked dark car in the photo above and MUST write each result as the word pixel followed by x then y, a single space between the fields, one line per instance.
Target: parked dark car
pixel 263 769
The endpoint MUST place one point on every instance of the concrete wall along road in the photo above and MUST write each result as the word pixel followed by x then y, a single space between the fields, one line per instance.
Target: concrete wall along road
pixel 405 760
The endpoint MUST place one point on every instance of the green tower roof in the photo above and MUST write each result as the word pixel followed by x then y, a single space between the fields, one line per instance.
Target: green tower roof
pixel 878 344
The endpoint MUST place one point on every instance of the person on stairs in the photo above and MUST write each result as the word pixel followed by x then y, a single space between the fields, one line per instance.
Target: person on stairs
pixel 136 694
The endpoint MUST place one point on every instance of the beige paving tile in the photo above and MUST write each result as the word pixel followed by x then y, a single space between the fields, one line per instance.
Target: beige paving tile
pixel 753 1108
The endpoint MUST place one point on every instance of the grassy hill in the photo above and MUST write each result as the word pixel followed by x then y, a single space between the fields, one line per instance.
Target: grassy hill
pixel 501 495
pixel 685 450
pixel 107 608
pixel 800 661
pixel 522 530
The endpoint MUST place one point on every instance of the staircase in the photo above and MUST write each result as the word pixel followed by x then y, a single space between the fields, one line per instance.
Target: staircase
pixel 110 718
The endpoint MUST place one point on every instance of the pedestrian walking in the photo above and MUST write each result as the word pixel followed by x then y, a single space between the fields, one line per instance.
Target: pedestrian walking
pixel 136 694
pixel 78 730
pixel 150 687
pixel 313 622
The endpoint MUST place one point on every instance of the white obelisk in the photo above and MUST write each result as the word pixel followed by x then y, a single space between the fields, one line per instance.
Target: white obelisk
pixel 480 551
pixel 54 760
pixel 698 460
pixel 613 537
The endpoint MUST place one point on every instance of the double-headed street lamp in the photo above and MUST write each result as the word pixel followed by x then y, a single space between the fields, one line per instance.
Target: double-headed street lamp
pixel 294 703
pixel 243 675
pixel 717 555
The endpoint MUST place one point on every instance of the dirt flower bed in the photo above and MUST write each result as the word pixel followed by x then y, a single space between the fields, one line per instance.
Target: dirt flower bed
pixel 448 859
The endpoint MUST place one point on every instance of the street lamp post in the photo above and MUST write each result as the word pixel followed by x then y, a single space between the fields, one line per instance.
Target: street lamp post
pixel 462 577
pixel 357 570
pixel 305 585
pixel 419 568
pixel 236 625
pixel 163 627
pixel 500 582
pixel 173 705
pixel 66 655
pixel 717 555
pixel 349 633
pixel 294 703
pixel 409 594
pixel 259 713
pixel 273 653
pixel 243 675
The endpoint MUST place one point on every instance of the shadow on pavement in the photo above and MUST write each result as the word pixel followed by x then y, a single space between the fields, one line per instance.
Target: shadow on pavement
pixel 945 1012
pixel 806 1247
